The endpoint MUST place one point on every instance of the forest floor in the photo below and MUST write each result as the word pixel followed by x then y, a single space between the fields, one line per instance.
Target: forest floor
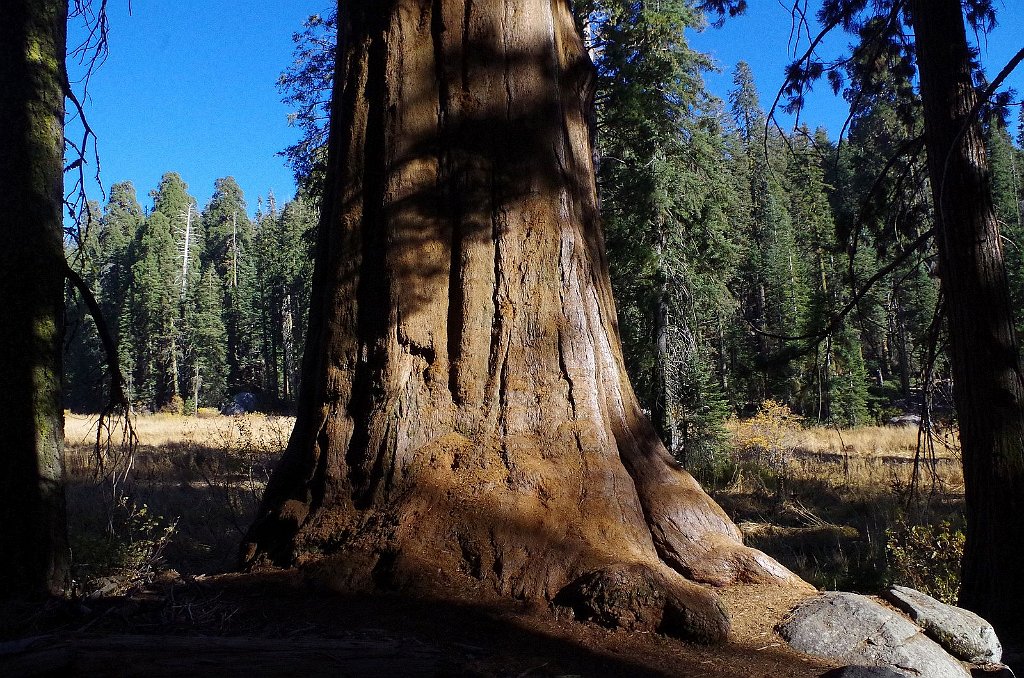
pixel 276 624
pixel 822 509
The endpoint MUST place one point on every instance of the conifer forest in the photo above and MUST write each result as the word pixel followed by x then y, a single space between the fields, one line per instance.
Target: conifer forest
pixel 561 359
pixel 750 263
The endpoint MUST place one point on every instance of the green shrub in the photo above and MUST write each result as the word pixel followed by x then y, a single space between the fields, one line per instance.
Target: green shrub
pixel 926 557
pixel 126 554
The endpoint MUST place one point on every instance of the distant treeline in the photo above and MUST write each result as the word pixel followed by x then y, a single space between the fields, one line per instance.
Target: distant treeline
pixel 203 304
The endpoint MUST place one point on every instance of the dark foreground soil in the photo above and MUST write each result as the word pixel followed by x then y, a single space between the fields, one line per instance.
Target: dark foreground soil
pixel 279 624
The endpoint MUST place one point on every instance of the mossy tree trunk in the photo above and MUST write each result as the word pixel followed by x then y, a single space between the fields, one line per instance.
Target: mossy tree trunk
pixel 464 408
pixel 33 539
pixel 987 382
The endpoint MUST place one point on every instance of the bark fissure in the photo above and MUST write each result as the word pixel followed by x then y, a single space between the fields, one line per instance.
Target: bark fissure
pixel 463 189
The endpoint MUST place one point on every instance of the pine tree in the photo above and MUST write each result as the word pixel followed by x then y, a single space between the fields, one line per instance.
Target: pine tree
pixel 171 198
pixel 83 383
pixel 1007 163
pixel 122 218
pixel 283 269
pixel 306 85
pixel 34 554
pixel 229 244
pixel 770 283
pixel 833 377
pixel 207 342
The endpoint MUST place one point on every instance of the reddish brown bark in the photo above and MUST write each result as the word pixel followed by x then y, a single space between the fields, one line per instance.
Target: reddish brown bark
pixel 464 408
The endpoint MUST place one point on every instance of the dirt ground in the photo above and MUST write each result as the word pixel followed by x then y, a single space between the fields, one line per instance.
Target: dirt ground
pixel 279 623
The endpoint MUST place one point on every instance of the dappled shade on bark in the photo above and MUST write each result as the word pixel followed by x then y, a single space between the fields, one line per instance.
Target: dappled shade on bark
pixel 465 410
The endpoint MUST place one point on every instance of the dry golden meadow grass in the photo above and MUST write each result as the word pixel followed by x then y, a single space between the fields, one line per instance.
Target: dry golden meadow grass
pixel 829 504
pixel 844 491
pixel 203 474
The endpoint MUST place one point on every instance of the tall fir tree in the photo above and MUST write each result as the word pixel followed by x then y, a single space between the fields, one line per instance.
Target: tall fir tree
pixel 153 315
pixel 83 383
pixel 770 283
pixel 207 342
pixel 229 238
pixel 281 249
pixel 660 145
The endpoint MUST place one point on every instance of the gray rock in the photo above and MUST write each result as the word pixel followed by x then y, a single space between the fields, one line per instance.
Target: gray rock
pixel 992 671
pixel 864 672
pixel 963 633
pixel 905 420
pixel 242 403
pixel 854 629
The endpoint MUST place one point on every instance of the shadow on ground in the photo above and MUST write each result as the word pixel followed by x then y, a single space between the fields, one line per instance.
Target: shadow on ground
pixel 280 624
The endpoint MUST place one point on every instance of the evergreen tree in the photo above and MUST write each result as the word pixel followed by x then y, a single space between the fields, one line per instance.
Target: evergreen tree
pixel 229 245
pixel 207 342
pixel 662 196
pixel 1008 197
pixel 34 552
pixel 306 85
pixel 283 270
pixel 153 313
pixel 833 376
pixel 171 198
pixel 881 206
pixel 122 218
pixel 225 224
pixel 770 281
pixel 83 383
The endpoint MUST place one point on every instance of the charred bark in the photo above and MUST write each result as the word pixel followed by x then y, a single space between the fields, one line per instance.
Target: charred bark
pixel 464 409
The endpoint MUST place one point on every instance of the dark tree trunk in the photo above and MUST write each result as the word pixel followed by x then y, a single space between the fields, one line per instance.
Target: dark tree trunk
pixel 984 354
pixel 464 410
pixel 33 539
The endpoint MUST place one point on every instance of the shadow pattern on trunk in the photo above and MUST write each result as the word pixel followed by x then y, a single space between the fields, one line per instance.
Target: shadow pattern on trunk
pixel 464 408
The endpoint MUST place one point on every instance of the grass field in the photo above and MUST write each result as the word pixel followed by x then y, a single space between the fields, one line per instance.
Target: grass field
pixel 202 475
pixel 834 506
pixel 853 509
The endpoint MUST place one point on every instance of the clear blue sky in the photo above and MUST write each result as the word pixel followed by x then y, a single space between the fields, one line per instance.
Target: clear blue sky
pixel 189 86
pixel 761 37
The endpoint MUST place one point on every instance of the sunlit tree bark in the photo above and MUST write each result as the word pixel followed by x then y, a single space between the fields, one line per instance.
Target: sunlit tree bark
pixel 464 408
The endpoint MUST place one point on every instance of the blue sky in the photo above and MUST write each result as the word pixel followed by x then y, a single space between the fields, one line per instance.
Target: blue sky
pixel 761 37
pixel 189 86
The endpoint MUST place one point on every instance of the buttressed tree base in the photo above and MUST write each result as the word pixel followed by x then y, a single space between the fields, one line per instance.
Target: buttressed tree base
pixel 465 411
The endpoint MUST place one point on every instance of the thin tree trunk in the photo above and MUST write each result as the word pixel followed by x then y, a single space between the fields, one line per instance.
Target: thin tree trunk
pixel 33 537
pixel 464 409
pixel 661 407
pixel 987 379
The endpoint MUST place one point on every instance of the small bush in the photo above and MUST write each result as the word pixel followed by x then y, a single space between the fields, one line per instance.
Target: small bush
pixel 768 439
pixel 926 557
pixel 127 554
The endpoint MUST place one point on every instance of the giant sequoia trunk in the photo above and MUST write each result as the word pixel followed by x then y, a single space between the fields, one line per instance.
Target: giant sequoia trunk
pixel 987 377
pixel 33 543
pixel 464 408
